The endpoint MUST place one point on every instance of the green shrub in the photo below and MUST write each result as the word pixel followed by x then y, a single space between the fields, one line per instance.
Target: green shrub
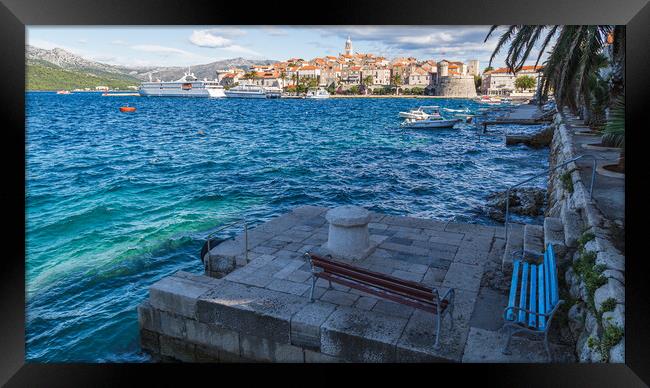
pixel 591 275
pixel 611 336
pixel 608 305
pixel 585 238
pixel 567 182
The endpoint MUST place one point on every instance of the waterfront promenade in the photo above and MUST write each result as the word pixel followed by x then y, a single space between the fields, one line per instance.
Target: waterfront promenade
pixel 261 310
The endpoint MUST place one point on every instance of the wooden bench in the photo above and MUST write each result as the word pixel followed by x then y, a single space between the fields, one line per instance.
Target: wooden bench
pixel 397 290
pixel 534 297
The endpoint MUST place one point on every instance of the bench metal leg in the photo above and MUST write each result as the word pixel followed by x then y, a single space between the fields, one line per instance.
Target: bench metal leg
pixel 436 345
pixel 548 349
pixel 450 312
pixel 313 285
pixel 506 348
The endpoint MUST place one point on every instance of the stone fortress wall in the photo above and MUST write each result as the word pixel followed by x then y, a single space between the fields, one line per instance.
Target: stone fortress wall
pixel 456 86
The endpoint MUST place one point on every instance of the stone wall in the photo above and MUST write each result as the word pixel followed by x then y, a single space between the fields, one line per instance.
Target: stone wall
pixel 177 323
pixel 456 87
pixel 594 270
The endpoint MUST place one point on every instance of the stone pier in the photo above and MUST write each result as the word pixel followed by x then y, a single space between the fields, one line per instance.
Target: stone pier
pixel 261 311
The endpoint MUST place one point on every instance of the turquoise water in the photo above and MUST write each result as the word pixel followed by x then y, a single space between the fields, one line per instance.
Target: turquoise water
pixel 116 201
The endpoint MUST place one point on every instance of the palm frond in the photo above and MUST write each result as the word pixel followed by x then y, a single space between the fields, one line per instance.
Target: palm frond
pixel 614 134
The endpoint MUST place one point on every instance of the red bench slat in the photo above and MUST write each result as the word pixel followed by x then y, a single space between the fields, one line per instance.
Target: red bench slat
pixel 431 307
pixel 385 286
pixel 392 284
pixel 379 275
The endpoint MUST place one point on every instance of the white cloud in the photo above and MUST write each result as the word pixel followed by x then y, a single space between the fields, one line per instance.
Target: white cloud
pixel 118 42
pixel 205 38
pixel 434 38
pixel 216 38
pixel 82 41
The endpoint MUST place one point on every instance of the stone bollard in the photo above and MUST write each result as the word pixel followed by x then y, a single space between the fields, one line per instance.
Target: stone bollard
pixel 348 232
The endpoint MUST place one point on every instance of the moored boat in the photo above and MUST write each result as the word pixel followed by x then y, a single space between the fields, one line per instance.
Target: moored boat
pixel 186 86
pixel 318 94
pixel 246 91
pixel 428 120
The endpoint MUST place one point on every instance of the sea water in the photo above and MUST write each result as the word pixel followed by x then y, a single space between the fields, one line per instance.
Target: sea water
pixel 116 201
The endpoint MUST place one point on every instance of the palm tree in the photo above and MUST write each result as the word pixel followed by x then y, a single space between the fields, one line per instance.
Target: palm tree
pixel 574 59
pixel 396 80
pixel 367 81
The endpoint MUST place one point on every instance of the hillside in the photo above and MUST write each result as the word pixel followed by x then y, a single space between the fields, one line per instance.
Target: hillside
pixel 43 76
pixel 207 70
pixel 58 68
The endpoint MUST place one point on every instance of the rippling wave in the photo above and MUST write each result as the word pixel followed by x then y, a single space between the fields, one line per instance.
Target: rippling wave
pixel 117 201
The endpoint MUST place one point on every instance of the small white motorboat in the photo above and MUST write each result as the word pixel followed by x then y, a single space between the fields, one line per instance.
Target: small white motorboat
pixel 321 93
pixel 429 120
pixel 464 110
pixel 414 114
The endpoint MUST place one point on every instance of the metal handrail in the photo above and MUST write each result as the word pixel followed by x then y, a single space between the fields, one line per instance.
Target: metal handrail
pixel 546 173
pixel 243 221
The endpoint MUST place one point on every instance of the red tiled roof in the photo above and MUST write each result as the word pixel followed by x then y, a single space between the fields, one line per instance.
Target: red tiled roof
pixel 523 68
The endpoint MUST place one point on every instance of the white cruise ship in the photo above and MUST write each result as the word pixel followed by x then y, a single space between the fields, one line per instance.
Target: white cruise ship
pixel 187 86
pixel 246 91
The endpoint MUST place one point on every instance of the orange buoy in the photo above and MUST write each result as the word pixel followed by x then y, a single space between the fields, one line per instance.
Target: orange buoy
pixel 127 109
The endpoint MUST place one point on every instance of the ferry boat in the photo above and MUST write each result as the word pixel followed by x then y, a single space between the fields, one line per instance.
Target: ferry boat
pixel 320 93
pixel 246 91
pixel 273 92
pixel 186 86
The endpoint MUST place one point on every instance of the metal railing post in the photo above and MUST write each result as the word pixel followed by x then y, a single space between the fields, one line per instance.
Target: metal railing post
pixel 593 178
pixel 242 221
pixel 546 173
pixel 246 240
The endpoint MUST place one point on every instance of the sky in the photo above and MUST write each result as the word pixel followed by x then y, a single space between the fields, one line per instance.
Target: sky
pixel 193 45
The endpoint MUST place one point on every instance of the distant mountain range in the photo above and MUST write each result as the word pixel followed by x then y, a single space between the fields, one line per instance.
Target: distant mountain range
pixel 60 69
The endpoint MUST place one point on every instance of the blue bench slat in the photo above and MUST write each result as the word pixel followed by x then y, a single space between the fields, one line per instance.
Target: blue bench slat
pixel 513 290
pixel 523 293
pixel 554 285
pixel 532 298
pixel 540 296
pixel 547 281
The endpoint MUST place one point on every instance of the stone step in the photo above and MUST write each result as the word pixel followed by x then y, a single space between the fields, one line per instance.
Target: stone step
pixel 573 226
pixel 514 242
pixel 554 235
pixel 534 239
pixel 553 231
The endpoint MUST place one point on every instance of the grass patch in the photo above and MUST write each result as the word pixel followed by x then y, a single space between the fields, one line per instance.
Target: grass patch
pixel 608 305
pixel 591 275
pixel 585 238
pixel 567 182
pixel 612 335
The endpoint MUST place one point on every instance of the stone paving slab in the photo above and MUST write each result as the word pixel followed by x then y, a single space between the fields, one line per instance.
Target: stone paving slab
pixel 266 301
pixel 485 346
pixel 361 336
pixel 250 310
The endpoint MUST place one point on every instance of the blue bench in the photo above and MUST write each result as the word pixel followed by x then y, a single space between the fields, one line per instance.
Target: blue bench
pixel 534 297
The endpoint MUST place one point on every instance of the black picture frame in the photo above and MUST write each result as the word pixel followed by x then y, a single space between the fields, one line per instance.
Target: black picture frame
pixel 16 14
